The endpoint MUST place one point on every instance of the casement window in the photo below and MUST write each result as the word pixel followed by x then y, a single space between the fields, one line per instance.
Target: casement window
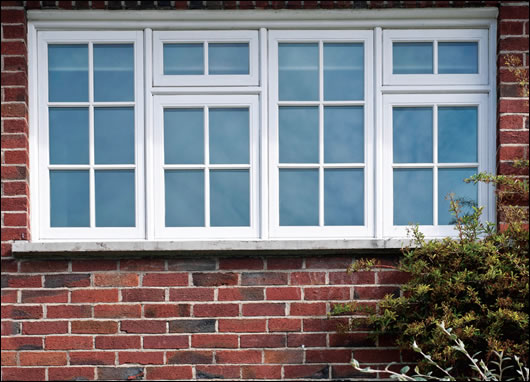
pixel 259 132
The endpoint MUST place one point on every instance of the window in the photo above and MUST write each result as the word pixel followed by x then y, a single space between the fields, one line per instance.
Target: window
pixel 260 133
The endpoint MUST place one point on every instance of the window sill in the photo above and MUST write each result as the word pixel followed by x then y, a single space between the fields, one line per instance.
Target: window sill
pixel 26 249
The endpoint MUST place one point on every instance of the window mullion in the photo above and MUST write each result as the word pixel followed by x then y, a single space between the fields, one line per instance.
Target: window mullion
pixel 206 168
pixel 91 148
pixel 435 165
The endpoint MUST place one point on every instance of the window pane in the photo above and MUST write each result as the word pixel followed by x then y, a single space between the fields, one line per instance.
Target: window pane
pixel 183 59
pixel 68 73
pixel 413 196
pixel 298 72
pixel 183 136
pixel 343 197
pixel 68 135
pixel 113 72
pixel 114 135
pixel 412 58
pixel 457 134
pixel 412 134
pixel 228 58
pixel 298 197
pixel 343 72
pixel 69 199
pixel 451 180
pixel 457 57
pixel 229 198
pixel 229 135
pixel 184 198
pixel 115 198
pixel 298 134
pixel 344 134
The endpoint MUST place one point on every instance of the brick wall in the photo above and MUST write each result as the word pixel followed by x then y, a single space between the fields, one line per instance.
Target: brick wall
pixel 205 317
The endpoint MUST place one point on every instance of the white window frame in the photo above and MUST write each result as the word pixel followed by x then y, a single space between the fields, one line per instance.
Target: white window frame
pixel 435 101
pixel 321 231
pixel 43 168
pixel 206 37
pixel 435 36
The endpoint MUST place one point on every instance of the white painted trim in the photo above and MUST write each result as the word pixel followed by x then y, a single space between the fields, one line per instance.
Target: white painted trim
pixel 264 129
pixel 150 191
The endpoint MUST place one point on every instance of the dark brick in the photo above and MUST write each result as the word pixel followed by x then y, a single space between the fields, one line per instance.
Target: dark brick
pixel 190 357
pixel 191 265
pixel 214 279
pixel 192 326
pixel 120 373
pixel 67 281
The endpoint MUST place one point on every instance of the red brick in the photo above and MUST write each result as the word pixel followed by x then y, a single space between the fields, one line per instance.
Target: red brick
pixel 346 371
pixel 189 357
pixel 23 374
pixel 169 373
pixel 240 263
pixel 214 279
pixel 296 340
pixel 192 264
pixel 5 248
pixel 364 277
pixel 98 265
pixel 44 266
pixel 9 358
pixel 308 278
pixel 285 263
pixel 263 341
pixel 115 279
pixel 328 356
pixel 142 294
pixel 9 296
pixel 263 309
pixel 283 294
pixel 513 137
pixel 393 277
pixel 165 279
pixel 285 325
pixel 328 262
pixel 14 141
pixel 513 44
pixel 13 16
pixel 44 296
pixel 509 122
pixel 94 295
pixel 70 280
pixel 261 372
pixel 240 294
pixel 22 343
pixel 120 373
pixel 238 356
pixel 216 371
pixel 374 293
pixel 92 358
pixel 69 311
pixel 9 266
pixel 166 310
pixel 141 357
pixel 71 373
pixel 68 342
pixel 327 293
pixel 215 310
pixel 214 341
pixel 13 109
pixel 308 309
pixel 142 265
pixel 351 340
pixel 191 294
pixel 16 157
pixel 243 326
pixel 117 311
pixel 166 342
pixel 94 327
pixel 143 326
pixel 22 281
pixel 511 152
pixel 45 327
pixel 118 342
pixel 376 355
pixel 284 356
pixel 13 173
pixel 264 278
pixel 306 371
pixel 323 324
pixel 42 358
pixel 21 312
pixel 513 12
pixel 15 188
pixel 509 169
pixel 11 32
pixel 510 90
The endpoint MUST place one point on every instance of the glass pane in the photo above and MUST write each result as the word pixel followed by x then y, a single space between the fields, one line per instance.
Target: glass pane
pixel 184 198
pixel 343 72
pixel 412 134
pixel 68 135
pixel 113 72
pixel 412 58
pixel 183 136
pixel 114 135
pixel 69 199
pixel 229 136
pixel 343 197
pixel 183 59
pixel 115 198
pixel 229 198
pixel 457 57
pixel 228 58
pixel 68 73
pixel 457 134
pixel 298 197
pixel 413 196
pixel 344 134
pixel 298 134
pixel 298 72
pixel 451 180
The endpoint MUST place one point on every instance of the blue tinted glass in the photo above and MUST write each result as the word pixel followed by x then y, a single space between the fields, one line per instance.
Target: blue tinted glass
pixel 298 72
pixel 298 134
pixel 344 134
pixel 183 136
pixel 457 57
pixel 228 58
pixel 457 134
pixel 68 135
pixel 229 198
pixel 343 197
pixel 183 59
pixel 69 199
pixel 413 196
pixel 298 197
pixel 115 198
pixel 68 73
pixel 113 72
pixel 229 136
pixel 114 135
pixel 412 134
pixel 451 180
pixel 412 58
pixel 343 72
pixel 184 198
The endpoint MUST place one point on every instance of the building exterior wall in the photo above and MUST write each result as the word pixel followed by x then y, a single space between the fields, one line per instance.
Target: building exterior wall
pixel 262 317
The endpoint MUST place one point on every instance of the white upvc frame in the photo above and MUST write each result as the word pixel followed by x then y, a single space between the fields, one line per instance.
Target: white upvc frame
pixel 206 101
pixel 89 38
pixel 436 35
pixel 321 231
pixel 483 143
pixel 162 37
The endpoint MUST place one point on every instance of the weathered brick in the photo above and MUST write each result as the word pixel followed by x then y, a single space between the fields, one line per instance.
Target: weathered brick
pixel 117 311
pixel 216 310
pixel 141 357
pixel 9 358
pixel 22 343
pixel 263 309
pixel 284 356
pixel 285 325
pixel 364 277
pixel 95 266
pixel 143 326
pixel 264 278
pixel 92 358
pixel 240 294
pixel 142 265
pixel 42 358
pixel 191 294
pixel 11 281
pixel 327 293
pixel 328 262
pixel 115 279
pixel 94 295
pixel 214 341
pixel 217 371
pixel 13 31
pixel 68 342
pixel 142 294
pixel 214 279
pixel 306 371
pixel 166 310
pixel 284 263
pixel 240 263
pixel 23 374
pixel 238 356
pixel 9 296
pixel 190 357
pixel 165 279
pixel 45 327
pixel 17 312
pixel 520 137
pixel 192 326
pixel 169 373
pixel 296 340
pixel 188 265
pixel 263 341
pixel 72 280
pixel 166 342
pixel 71 373
pixel 308 278
pixel 242 326
pixel 15 220
pixel 117 342
pixel 261 372
pixel 94 327
pixel 120 373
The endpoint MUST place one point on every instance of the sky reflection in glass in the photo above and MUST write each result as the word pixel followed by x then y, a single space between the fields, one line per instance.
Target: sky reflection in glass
pixel 412 57
pixel 69 199
pixel 68 135
pixel 115 198
pixel 67 73
pixel 113 72
pixel 457 57
pixel 229 198
pixel 412 134
pixel 184 59
pixel 343 197
pixel 451 180
pixel 298 72
pixel 343 71
pixel 457 134
pixel 298 134
pixel 184 192
pixel 298 197
pixel 229 136
pixel 114 135
pixel 413 196
pixel 229 58
pixel 343 134
pixel 183 136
